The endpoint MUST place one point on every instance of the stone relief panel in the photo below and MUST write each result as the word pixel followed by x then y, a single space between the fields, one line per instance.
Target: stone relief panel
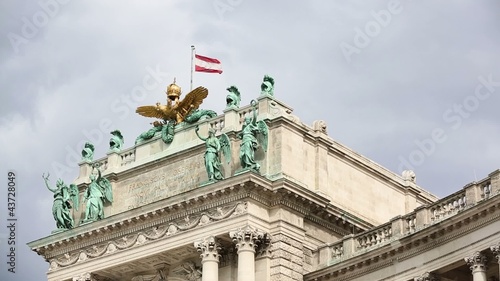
pixel 166 181
pixel 148 235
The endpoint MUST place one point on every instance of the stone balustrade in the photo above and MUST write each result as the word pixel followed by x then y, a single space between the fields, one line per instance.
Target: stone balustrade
pixel 410 221
pixel 246 111
pixel 102 163
pixel 127 157
pixel 421 217
pixel 217 123
pixel 374 237
pixel 448 206
pixel 337 250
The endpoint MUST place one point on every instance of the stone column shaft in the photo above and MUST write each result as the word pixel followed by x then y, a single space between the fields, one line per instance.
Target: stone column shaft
pixel 246 240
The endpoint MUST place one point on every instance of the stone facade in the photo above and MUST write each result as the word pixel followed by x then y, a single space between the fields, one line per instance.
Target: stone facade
pixel 315 211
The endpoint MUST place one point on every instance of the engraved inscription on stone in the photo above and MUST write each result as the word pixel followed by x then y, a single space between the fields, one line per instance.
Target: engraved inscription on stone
pixel 168 180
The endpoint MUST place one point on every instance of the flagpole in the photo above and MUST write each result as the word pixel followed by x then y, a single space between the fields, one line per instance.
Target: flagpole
pixel 192 58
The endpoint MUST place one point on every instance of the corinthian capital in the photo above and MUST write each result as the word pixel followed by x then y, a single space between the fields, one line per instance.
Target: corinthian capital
pixel 476 262
pixel 246 238
pixel 428 276
pixel 209 249
pixel 496 251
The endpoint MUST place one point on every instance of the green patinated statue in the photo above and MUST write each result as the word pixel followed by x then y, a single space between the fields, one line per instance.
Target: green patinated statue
pixel 98 192
pixel 267 86
pixel 88 152
pixel 214 145
pixel 61 206
pixel 233 98
pixel 116 141
pixel 252 135
pixel 149 134
pixel 199 114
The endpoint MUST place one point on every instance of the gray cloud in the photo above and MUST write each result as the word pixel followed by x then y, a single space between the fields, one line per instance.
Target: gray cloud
pixel 83 65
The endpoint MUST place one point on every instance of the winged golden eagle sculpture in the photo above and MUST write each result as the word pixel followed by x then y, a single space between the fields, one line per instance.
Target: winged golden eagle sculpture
pixel 175 109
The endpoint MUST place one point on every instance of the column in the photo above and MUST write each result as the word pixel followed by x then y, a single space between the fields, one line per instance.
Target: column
pixel 477 263
pixel 496 252
pixel 427 276
pixel 209 249
pixel 246 240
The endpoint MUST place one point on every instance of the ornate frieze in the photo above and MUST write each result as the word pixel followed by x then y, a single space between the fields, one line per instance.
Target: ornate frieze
pixel 148 235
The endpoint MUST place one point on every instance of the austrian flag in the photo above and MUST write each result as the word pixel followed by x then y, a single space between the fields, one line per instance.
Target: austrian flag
pixel 205 64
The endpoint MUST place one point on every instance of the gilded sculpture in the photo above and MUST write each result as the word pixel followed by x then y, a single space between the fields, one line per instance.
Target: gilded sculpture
pixel 214 145
pixel 175 109
pixel 253 134
pixel 65 198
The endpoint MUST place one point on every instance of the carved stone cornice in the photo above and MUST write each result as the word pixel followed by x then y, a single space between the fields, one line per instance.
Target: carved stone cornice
pixel 209 249
pixel 281 191
pixel 477 262
pixel 428 276
pixel 148 235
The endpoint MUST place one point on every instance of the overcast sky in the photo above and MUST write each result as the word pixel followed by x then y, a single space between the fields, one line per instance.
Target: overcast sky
pixel 409 84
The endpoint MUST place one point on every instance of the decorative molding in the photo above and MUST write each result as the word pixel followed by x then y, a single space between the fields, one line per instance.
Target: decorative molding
pixel 477 262
pixel 209 249
pixel 147 236
pixel 246 238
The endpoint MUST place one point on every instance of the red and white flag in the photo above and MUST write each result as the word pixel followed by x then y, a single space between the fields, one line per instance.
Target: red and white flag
pixel 205 64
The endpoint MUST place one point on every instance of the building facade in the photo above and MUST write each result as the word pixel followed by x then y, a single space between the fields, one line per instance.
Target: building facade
pixel 314 210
